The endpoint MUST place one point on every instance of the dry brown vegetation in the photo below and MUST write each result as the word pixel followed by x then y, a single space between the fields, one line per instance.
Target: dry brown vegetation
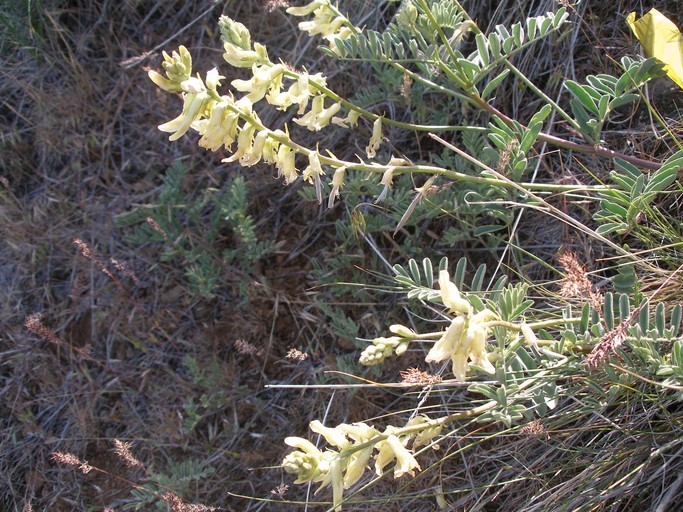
pixel 99 334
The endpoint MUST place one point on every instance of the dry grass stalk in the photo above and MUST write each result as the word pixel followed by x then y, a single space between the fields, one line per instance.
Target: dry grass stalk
pixel 296 355
pixel 89 253
pixel 576 283
pixel 273 5
pixel 69 459
pixel 245 348
pixel 34 324
pixel 611 341
pixel 122 450
pixel 417 376
pixel 177 504
pixel 280 491
pixel 534 429
pixel 156 227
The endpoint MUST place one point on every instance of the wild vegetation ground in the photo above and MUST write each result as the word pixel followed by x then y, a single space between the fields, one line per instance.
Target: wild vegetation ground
pixel 112 334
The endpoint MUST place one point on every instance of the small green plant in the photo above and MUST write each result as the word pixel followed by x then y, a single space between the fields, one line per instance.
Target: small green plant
pixel 165 490
pixel 161 491
pixel 206 232
pixel 212 398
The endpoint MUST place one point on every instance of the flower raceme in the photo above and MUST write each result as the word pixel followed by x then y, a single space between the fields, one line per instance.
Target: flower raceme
pixel 327 21
pixel 223 120
pixel 463 341
pixel 353 445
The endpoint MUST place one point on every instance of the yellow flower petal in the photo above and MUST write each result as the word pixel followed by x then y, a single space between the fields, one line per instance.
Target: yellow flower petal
pixel 660 38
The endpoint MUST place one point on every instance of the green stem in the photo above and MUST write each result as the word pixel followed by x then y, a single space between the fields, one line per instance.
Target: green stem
pixel 413 169
pixel 552 210
pixel 454 59
pixel 543 95
pixel 581 148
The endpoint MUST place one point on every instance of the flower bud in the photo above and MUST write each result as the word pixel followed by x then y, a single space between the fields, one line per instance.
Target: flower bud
pixel 402 330
pixel 376 139
pixel 529 335
pixel 305 10
pixel 213 79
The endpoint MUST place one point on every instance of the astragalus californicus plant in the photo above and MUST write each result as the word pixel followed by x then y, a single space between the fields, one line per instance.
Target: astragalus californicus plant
pixel 531 368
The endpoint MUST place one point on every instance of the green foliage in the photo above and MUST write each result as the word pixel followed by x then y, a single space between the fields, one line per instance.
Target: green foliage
pixel 205 231
pixel 417 281
pixel 648 323
pixel 343 326
pixel 514 142
pixel 422 38
pixel 22 26
pixel 627 203
pixel 213 396
pixel 593 102
pixel 672 368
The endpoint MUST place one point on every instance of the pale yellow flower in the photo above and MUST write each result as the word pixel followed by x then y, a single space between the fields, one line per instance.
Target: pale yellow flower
pixel 254 154
pixel 238 57
pixel 356 466
pixel 426 435
pixel 318 117
pixel 305 462
pixel 325 23
pixel 476 335
pixel 380 349
pixel 337 183
pixel 213 79
pixel 237 44
pixel 178 67
pixel 351 119
pixel 402 330
pixel 449 343
pixel 344 33
pixel 163 82
pixel 463 341
pixel 298 93
pixel 192 109
pixel 285 164
pixel 220 128
pixel 459 369
pixel 358 460
pixel 263 79
pixel 388 176
pixel 335 478
pixel 391 448
pixel 271 147
pixel 314 169
pixel 376 139
pixel 305 10
pixel 312 465
pixel 333 436
pixel 477 348
pixel 450 295
pixel 244 143
pixel 312 174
